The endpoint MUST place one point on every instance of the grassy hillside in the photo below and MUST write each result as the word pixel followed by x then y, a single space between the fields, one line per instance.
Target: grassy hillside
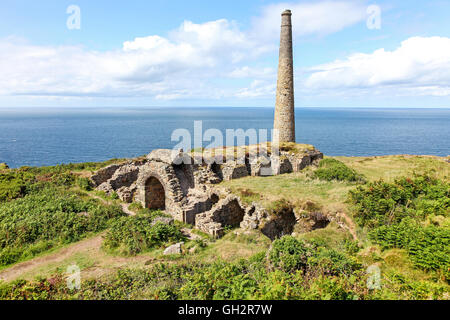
pixel 390 214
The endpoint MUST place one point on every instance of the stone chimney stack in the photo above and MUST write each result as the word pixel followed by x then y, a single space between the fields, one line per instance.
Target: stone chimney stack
pixel 284 106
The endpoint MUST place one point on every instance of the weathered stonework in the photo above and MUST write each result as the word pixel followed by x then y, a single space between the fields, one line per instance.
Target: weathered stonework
pixel 104 174
pixel 271 225
pixel 227 212
pixel 233 170
pixel 119 178
pixel 309 221
pixel 261 166
pixel 284 105
pixel 187 192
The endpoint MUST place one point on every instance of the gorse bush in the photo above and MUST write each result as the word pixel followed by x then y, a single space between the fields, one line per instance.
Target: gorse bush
pixel 380 203
pixel 289 253
pixel 332 169
pixel 14 185
pixel 332 262
pixel 133 235
pixel 84 184
pixel 52 216
pixel 20 182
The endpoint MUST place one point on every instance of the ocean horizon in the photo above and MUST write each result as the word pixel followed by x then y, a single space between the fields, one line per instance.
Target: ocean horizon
pixel 51 136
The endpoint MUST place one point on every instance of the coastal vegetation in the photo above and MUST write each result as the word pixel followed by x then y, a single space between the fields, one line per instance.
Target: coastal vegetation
pixel 332 169
pixel 135 234
pixel 388 237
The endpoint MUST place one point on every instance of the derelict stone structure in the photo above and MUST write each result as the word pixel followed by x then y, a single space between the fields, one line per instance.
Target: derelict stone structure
pixel 284 106
pixel 188 192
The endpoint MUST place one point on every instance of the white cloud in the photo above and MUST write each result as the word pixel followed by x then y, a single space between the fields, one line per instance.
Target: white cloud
pixel 249 72
pixel 258 89
pixel 420 66
pixel 184 64
pixel 150 66
pixel 319 17
pixel 213 60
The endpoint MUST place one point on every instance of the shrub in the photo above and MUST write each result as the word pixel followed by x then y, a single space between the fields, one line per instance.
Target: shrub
pixel 84 184
pixel 15 185
pixel 331 288
pixel 332 262
pixel 289 254
pixel 351 247
pixel 114 196
pixel 381 203
pixel 220 280
pixel 135 206
pixel 413 289
pixel 332 169
pixel 133 235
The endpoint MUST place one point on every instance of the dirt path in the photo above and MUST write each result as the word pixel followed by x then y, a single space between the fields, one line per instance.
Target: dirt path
pixel 100 263
pixel 123 205
pixel 350 225
pixel 89 248
pixel 19 269
pixel 91 245
pixel 125 209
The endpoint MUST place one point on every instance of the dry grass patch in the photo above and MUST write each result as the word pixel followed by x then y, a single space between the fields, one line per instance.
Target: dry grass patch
pixel 389 168
pixel 235 245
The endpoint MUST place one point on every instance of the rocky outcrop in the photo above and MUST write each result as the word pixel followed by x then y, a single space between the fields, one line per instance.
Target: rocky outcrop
pixel 309 221
pixel 272 224
pixel 163 220
pixel 261 166
pixel 120 179
pixel 174 249
pixel 103 175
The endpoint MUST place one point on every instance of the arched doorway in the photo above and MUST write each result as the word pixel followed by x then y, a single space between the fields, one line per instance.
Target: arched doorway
pixel 155 196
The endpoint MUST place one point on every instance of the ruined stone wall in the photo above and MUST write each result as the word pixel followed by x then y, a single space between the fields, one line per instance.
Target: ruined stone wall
pixel 187 193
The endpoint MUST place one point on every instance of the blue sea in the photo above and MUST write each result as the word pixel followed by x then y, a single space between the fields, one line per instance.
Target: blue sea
pixel 42 137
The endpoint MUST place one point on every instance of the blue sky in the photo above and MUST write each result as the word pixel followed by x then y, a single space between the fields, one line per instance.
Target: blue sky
pixel 223 53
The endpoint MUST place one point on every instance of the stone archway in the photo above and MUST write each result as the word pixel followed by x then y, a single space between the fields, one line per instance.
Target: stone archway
pixel 155 195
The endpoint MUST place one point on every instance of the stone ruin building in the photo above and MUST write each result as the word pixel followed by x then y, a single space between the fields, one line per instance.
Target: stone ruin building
pixel 188 192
